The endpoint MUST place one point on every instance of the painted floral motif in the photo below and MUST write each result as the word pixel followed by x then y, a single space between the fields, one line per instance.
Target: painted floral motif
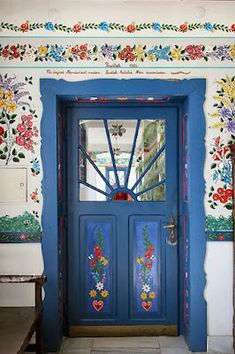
pixel 122 53
pixel 145 263
pixel 98 263
pixel 219 228
pixel 225 105
pixel 35 167
pixel 17 131
pixel 108 27
pixel 34 196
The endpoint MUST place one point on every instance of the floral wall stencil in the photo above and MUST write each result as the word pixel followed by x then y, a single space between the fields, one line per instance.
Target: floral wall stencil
pixel 17 129
pixel 118 52
pixel 110 27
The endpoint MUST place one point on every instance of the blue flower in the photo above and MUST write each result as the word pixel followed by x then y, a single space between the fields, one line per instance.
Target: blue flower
pixel 163 53
pixel 49 26
pixel 208 26
pixel 226 112
pixel 156 26
pixel 104 26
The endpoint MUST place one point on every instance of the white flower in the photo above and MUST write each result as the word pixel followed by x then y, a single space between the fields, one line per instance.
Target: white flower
pixel 152 258
pixel 91 256
pixel 146 288
pixel 99 285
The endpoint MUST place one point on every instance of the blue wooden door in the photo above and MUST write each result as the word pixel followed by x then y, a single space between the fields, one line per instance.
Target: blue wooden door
pixel 122 243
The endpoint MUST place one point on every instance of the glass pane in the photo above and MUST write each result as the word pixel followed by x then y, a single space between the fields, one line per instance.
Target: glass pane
pixel 151 139
pixel 92 138
pixel 122 137
pixel 157 193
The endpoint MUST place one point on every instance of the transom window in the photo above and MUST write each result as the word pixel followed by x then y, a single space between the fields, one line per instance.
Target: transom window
pixel 122 160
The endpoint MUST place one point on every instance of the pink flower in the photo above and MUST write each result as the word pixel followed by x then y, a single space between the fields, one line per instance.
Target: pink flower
pixel 29 124
pixel 21 128
pixel 183 27
pixel 131 28
pixel 28 134
pixel 22 237
pixel 77 27
pixel 23 118
pixel 29 116
pixel 83 47
pixel 20 140
pixel 195 51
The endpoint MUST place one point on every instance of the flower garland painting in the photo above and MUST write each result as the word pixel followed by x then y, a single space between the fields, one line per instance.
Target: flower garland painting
pixel 145 264
pixel 80 52
pixel 98 263
pixel 17 129
pixel 108 27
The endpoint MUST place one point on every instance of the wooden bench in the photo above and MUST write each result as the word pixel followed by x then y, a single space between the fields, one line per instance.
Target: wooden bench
pixel 18 324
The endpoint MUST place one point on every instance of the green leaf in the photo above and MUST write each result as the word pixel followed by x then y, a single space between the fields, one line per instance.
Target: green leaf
pixel 15 159
pixel 21 155
pixel 213 165
pixel 3 157
pixel 14 152
pixel 229 206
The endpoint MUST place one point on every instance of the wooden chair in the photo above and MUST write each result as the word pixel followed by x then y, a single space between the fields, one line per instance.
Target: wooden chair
pixel 18 324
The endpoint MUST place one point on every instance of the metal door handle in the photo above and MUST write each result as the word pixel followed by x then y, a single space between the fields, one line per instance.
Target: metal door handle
pixel 171 226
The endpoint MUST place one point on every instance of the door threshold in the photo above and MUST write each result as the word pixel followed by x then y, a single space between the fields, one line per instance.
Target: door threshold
pixel 123 331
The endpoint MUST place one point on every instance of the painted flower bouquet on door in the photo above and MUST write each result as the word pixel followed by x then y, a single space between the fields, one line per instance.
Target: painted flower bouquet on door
pixel 98 263
pixel 145 263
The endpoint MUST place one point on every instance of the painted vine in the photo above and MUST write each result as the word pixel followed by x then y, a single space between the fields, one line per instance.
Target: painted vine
pixel 108 27
pixel 122 53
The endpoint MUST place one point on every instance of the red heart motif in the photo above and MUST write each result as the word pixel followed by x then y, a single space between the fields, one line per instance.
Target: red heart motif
pixel 98 304
pixel 147 305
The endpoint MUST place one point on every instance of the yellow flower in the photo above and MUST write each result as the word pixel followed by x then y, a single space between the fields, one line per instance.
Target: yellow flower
pixel 2 104
pixel 151 57
pixel 140 260
pixel 42 50
pixel 175 53
pixel 9 95
pixel 104 293
pixel 152 295
pixel 228 86
pixel 232 50
pixel 11 106
pixel 1 93
pixel 104 260
pixel 218 125
pixel 139 51
pixel 143 296
pixel 93 293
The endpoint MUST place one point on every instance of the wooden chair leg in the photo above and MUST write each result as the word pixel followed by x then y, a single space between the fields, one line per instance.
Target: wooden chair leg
pixel 38 332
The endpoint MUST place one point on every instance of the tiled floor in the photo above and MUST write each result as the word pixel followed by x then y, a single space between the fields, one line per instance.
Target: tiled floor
pixel 125 345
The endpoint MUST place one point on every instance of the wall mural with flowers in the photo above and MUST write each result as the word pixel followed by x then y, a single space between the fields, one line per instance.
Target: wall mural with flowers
pixel 110 27
pixel 220 194
pixel 118 52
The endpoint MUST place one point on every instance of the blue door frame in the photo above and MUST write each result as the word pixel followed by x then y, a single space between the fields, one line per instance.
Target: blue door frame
pixel 189 96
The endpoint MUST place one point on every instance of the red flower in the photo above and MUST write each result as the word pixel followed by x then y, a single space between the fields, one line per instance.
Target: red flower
pixel 216 196
pixel 5 53
pixel 1 130
pixel 83 47
pixel 21 128
pixel 28 134
pixel 97 248
pixel 122 56
pixel 13 48
pixel 131 28
pixel 195 51
pixel 16 55
pixel 148 255
pixel 1 141
pixel 93 263
pixel 220 190
pixel 233 27
pixel 223 199
pixel 20 140
pixel 74 50
pixel 221 237
pixel 128 49
pixel 98 255
pixel 229 193
pixel 183 27
pixel 23 118
pixel 77 28
pixel 151 248
pixel 29 124
pixel 82 55
pixel 130 56
pixel 149 264
pixel 24 27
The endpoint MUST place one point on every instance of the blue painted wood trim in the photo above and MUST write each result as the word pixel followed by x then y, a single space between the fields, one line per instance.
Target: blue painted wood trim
pixel 193 90
pixel 50 231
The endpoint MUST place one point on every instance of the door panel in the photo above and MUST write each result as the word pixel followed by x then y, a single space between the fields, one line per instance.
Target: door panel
pixel 122 267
